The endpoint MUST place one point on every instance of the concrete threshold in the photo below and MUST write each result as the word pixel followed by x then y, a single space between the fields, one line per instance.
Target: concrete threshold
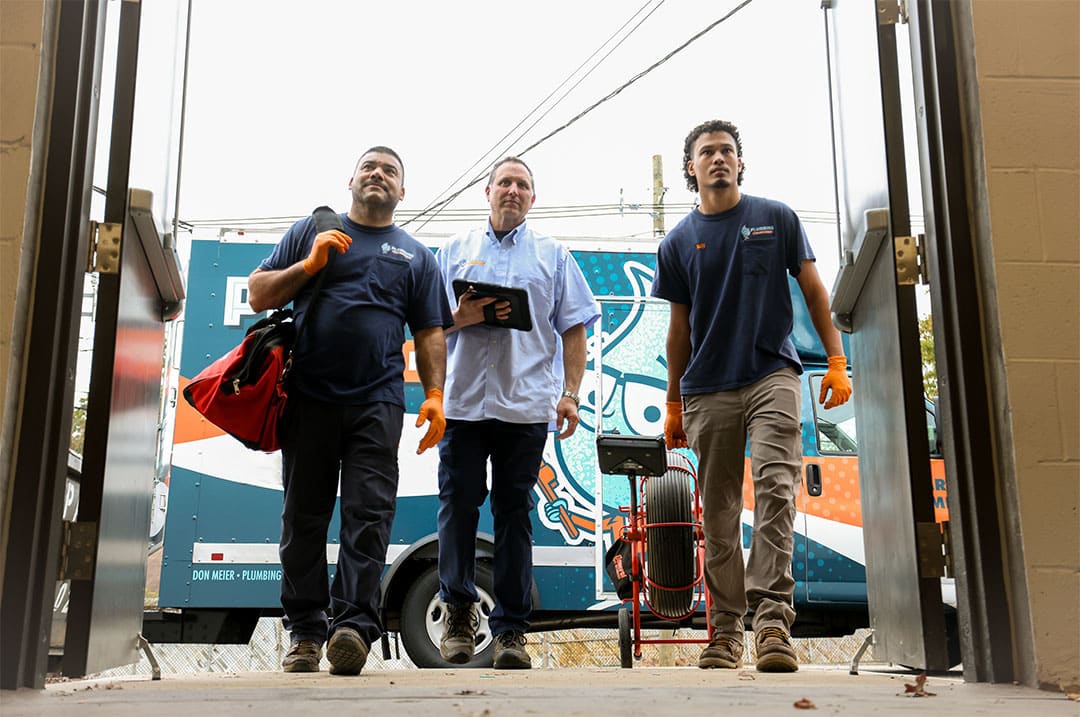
pixel 682 691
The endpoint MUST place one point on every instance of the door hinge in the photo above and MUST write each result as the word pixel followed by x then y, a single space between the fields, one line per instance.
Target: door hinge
pixel 78 552
pixel 931 550
pixel 910 260
pixel 103 249
pixel 888 12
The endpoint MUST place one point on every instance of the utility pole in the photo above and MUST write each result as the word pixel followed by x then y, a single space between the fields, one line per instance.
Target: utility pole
pixel 658 195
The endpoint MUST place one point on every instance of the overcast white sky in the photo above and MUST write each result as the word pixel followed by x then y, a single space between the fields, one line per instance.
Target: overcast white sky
pixel 283 96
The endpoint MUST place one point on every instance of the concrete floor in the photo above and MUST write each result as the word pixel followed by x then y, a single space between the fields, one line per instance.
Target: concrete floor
pixel 595 692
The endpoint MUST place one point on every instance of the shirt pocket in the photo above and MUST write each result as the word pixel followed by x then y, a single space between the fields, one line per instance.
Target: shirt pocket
pixel 757 255
pixel 386 279
pixel 539 284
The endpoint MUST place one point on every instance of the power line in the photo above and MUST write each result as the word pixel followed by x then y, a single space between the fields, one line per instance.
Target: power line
pixel 437 206
pixel 549 109
pixel 476 214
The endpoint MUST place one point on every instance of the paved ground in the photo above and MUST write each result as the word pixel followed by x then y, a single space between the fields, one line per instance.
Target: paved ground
pixel 595 692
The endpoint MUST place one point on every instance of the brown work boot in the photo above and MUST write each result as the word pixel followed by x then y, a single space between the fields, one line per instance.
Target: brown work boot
pixel 723 651
pixel 510 652
pixel 774 650
pixel 458 641
pixel 303 656
pixel 347 652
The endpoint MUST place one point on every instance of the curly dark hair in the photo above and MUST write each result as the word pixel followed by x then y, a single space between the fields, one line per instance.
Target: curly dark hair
pixel 706 128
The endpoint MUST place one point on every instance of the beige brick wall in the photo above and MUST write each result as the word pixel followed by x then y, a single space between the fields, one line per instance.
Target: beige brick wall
pixel 1028 60
pixel 20 57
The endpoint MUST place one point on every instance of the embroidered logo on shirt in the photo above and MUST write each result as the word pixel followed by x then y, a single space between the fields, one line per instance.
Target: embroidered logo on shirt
pixel 757 232
pixel 476 263
pixel 700 246
pixel 397 251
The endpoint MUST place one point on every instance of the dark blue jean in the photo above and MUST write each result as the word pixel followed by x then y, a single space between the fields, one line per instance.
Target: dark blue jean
pixel 516 451
pixel 319 440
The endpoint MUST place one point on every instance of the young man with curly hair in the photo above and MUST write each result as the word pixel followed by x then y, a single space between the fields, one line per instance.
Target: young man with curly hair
pixel 733 373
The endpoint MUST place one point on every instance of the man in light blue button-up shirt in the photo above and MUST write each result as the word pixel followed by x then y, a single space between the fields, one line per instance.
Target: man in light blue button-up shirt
pixel 505 389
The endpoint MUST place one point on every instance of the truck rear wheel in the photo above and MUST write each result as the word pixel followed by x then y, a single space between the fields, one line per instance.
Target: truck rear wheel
pixel 669 550
pixel 423 616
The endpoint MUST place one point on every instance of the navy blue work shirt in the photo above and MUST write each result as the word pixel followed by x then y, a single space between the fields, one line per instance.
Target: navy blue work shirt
pixel 731 269
pixel 352 352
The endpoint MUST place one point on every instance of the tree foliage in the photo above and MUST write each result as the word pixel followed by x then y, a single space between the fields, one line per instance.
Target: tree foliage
pixel 929 366
pixel 78 426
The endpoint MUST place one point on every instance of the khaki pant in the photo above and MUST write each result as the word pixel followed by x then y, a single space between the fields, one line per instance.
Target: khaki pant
pixel 717 425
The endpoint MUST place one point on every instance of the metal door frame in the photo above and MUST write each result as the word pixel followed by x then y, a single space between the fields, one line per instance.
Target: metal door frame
pixel 985 543
pixel 72 48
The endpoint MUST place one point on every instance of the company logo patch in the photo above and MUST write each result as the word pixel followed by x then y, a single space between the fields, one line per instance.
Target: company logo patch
pixel 397 251
pixel 700 246
pixel 757 232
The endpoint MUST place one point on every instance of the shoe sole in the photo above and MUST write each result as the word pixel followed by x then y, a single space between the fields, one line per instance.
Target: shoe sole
pixel 712 663
pixel 509 662
pixel 457 657
pixel 346 655
pixel 777 663
pixel 301 667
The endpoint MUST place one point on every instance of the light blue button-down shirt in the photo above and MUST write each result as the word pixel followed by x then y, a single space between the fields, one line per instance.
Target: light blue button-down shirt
pixel 507 374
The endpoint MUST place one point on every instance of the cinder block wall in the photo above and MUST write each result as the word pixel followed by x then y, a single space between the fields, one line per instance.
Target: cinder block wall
pixel 1028 64
pixel 20 58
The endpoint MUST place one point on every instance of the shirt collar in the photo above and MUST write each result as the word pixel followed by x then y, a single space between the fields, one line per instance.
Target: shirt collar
pixel 512 236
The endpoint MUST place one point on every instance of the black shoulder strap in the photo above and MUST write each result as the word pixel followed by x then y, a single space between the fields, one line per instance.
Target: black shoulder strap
pixel 325 219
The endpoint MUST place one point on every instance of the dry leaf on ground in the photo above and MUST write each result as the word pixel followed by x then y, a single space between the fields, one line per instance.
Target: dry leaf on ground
pixel 919 688
pixel 805 704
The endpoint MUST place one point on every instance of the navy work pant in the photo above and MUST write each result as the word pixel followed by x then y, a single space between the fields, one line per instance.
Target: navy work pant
pixel 516 451
pixel 319 442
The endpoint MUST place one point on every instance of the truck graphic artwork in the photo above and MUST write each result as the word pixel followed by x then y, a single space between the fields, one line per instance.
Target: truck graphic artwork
pixel 220 564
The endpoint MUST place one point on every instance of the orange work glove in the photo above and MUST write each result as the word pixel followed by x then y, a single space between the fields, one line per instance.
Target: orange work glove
pixel 320 250
pixel 431 410
pixel 674 435
pixel 837 380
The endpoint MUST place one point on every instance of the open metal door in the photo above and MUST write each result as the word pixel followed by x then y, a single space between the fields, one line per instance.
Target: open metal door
pixel 139 289
pixel 874 300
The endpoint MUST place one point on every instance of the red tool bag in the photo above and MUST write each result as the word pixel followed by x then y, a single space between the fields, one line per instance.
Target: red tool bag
pixel 243 392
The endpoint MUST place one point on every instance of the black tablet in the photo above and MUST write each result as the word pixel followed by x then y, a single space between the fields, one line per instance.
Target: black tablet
pixel 519 303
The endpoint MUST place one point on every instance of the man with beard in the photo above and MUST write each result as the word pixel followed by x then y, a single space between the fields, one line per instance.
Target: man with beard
pixel 733 372
pixel 346 405
pixel 504 389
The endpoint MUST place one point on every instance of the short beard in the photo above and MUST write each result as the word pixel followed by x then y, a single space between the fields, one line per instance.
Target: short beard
pixel 372 202
pixel 720 183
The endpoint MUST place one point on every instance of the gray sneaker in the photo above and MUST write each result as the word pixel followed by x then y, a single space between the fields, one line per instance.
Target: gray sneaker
pixel 459 633
pixel 774 650
pixel 510 652
pixel 347 652
pixel 724 651
pixel 303 656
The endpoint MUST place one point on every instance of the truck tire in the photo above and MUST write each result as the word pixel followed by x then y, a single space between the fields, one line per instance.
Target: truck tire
pixel 423 616
pixel 669 550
